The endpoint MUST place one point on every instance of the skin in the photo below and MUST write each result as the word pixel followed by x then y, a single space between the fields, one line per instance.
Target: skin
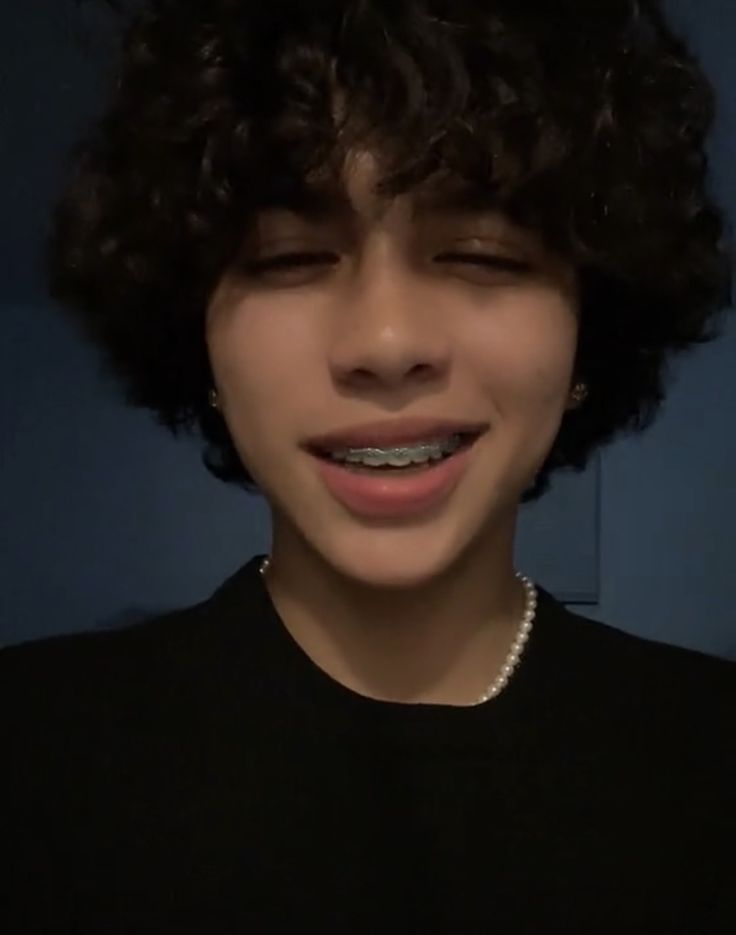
pixel 419 610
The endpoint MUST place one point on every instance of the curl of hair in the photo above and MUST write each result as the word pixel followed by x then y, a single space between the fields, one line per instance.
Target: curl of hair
pixel 588 120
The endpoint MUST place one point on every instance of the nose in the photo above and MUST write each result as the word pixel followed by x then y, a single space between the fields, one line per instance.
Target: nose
pixel 387 329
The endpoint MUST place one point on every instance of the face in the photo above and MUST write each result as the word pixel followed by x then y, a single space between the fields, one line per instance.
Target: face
pixel 392 316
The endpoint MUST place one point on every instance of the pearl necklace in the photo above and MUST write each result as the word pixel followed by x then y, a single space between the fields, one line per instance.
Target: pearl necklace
pixel 517 647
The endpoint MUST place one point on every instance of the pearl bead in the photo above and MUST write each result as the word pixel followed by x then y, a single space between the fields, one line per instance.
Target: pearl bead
pixel 517 647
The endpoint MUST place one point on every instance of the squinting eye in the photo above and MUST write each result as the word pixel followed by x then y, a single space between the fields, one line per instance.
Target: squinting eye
pixel 292 260
pixel 489 261
pixel 286 261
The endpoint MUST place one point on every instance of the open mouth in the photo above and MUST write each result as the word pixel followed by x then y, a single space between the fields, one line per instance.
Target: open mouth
pixel 466 441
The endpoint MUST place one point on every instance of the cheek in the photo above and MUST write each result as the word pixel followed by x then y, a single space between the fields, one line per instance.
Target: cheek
pixel 524 358
pixel 261 364
pixel 249 382
pixel 250 350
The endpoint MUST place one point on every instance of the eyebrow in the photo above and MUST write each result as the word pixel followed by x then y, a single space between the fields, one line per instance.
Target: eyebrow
pixel 319 203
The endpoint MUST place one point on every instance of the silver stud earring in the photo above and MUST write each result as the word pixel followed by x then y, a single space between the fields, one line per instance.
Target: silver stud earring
pixel 212 399
pixel 579 393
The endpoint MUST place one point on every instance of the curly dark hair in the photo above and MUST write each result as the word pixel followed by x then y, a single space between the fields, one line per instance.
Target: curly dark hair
pixel 587 120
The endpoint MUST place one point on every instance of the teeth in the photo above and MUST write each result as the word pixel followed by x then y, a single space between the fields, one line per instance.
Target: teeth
pixel 399 456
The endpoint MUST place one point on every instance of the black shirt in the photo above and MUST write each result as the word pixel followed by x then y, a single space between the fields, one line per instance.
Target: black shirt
pixel 197 772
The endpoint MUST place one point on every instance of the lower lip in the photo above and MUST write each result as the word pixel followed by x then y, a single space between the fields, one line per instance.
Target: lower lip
pixel 389 494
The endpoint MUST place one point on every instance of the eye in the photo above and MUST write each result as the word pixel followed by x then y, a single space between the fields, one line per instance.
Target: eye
pixel 285 261
pixel 488 261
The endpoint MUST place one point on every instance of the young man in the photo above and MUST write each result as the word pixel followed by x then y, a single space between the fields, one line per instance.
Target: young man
pixel 342 239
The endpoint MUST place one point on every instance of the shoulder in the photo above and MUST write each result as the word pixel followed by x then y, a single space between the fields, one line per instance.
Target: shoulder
pixel 157 670
pixel 164 666
pixel 147 633
pixel 661 662
pixel 72 677
pixel 652 686
pixel 668 699
pixel 607 648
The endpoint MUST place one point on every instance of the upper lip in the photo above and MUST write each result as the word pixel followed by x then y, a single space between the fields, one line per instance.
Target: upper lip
pixel 393 432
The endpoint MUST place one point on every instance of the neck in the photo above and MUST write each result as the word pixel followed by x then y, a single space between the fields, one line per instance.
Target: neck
pixel 442 640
